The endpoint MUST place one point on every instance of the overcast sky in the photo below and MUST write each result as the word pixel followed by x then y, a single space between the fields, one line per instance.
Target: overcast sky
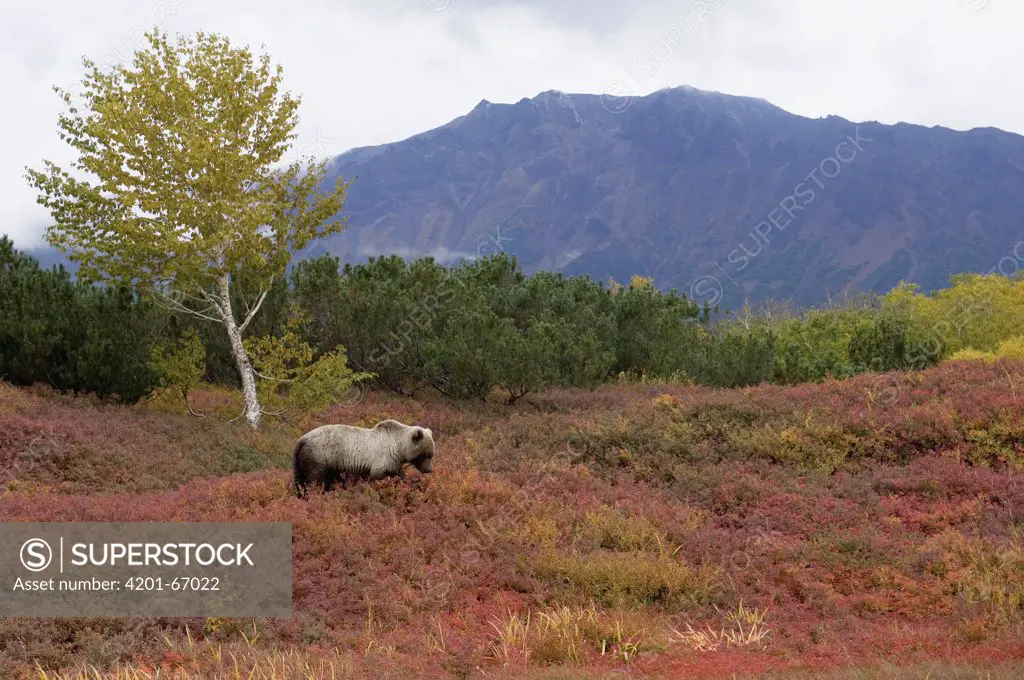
pixel 377 71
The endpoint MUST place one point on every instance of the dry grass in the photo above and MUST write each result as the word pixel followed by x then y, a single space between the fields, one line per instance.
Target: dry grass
pixel 187 658
pixel 565 635
pixel 219 663
pixel 742 628
pixel 993 575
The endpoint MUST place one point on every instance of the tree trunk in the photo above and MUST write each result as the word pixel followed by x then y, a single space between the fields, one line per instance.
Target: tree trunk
pixel 253 410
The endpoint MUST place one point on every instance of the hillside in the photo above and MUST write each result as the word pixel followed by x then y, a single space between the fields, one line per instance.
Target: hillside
pixel 575 535
pixel 683 185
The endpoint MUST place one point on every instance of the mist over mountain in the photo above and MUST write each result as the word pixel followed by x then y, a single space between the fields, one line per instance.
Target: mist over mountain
pixel 725 198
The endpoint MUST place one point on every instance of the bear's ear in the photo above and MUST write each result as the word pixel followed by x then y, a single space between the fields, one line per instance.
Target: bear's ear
pixel 417 434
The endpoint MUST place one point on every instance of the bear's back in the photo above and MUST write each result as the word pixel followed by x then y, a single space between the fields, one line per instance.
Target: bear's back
pixel 338 434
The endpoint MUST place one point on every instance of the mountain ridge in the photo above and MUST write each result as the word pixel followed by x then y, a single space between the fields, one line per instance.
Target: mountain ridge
pixel 678 184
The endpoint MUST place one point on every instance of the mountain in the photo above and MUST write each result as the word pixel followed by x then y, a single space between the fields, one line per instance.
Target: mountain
pixel 715 195
pixel 51 257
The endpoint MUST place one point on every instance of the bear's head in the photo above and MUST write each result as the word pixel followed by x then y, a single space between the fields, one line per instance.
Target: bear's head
pixel 423 448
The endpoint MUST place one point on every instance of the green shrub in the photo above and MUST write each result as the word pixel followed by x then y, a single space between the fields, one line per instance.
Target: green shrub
pixel 71 336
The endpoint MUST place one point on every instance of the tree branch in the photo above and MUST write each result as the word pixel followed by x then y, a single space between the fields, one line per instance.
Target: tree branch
pixel 280 380
pixel 239 416
pixel 280 414
pixel 259 303
pixel 190 409
pixel 173 305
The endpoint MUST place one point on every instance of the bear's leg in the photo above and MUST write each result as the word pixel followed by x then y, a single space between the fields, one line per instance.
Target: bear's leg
pixel 330 477
pixel 300 473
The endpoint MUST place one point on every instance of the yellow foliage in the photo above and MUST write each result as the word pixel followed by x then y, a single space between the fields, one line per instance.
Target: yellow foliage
pixel 288 376
pixel 817 446
pixel 636 281
pixel 629 580
pixel 539 531
pixel 1012 348
pixel 977 311
pixel 641 281
pixel 667 401
pixel 613 529
pixel 969 354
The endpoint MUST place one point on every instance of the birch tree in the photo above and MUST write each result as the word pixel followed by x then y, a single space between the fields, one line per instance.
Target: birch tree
pixel 179 186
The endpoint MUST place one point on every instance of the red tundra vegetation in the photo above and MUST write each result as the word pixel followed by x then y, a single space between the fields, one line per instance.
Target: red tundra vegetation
pixel 868 528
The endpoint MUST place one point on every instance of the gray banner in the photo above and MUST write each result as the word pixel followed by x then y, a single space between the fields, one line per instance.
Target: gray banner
pixel 145 569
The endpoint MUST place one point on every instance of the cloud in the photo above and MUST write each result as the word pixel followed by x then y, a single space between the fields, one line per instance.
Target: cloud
pixel 440 253
pixel 376 72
